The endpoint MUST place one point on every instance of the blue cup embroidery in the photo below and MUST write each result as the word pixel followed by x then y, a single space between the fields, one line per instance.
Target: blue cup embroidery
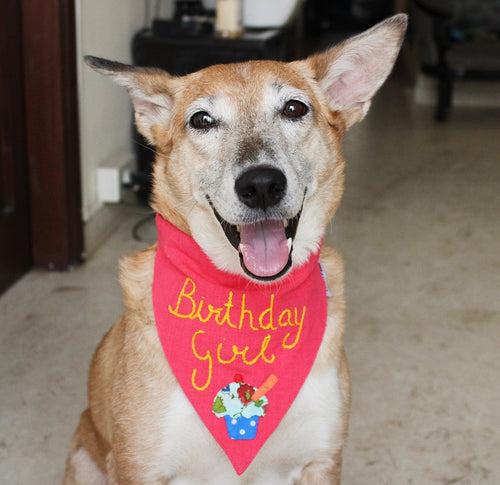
pixel 242 428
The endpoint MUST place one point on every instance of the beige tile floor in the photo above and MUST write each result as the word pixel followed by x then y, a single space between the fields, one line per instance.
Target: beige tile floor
pixel 420 232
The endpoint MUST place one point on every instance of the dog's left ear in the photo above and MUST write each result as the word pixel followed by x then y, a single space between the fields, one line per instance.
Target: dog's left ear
pixel 149 89
pixel 351 73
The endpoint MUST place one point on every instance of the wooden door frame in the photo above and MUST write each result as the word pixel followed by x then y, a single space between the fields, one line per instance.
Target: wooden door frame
pixel 52 131
pixel 15 239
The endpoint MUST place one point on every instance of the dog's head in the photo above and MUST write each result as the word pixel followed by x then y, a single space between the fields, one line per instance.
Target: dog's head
pixel 248 156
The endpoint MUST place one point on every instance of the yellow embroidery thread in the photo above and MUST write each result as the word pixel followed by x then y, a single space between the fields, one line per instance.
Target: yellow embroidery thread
pixel 207 357
pixel 222 316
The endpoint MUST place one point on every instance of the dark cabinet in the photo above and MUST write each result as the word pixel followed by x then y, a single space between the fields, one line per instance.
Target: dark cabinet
pixel 182 55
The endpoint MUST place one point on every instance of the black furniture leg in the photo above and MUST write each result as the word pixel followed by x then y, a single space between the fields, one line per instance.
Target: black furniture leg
pixel 444 73
pixel 445 96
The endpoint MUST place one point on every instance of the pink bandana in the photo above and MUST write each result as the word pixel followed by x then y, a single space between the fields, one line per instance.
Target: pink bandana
pixel 240 350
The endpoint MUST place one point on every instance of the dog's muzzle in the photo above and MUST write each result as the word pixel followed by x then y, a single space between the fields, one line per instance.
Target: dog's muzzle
pixel 265 247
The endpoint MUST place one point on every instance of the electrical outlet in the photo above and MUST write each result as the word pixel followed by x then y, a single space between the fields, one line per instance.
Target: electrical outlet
pixel 111 176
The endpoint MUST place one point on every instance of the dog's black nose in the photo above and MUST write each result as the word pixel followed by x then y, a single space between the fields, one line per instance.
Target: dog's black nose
pixel 261 187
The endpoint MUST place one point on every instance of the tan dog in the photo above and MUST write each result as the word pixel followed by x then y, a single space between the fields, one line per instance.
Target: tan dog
pixel 209 128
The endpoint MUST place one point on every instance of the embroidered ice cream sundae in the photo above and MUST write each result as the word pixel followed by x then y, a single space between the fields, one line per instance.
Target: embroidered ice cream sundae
pixel 242 405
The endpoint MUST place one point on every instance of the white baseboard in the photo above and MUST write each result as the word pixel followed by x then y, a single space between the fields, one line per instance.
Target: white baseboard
pixel 101 225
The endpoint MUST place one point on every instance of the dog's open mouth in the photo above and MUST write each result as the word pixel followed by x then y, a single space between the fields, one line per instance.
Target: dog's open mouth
pixel 265 248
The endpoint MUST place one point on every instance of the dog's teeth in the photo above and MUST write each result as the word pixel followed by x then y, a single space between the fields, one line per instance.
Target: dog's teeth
pixel 285 222
pixel 289 242
pixel 238 228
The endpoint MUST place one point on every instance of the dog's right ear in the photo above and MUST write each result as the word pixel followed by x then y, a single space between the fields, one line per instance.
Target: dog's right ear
pixel 148 88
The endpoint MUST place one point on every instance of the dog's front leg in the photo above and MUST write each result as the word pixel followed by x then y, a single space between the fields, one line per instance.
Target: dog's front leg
pixel 111 472
pixel 322 472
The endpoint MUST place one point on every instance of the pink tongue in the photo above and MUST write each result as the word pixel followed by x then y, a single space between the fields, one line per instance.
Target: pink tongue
pixel 264 247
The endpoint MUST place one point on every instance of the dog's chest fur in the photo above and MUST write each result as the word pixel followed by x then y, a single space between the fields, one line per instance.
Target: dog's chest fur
pixel 188 454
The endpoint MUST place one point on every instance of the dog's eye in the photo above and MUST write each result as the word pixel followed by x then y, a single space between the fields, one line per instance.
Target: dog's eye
pixel 201 121
pixel 294 109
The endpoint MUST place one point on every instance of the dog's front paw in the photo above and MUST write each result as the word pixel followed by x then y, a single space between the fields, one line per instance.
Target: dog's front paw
pixel 322 472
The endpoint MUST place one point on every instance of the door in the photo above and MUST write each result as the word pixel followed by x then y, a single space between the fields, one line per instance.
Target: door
pixel 40 192
pixel 15 248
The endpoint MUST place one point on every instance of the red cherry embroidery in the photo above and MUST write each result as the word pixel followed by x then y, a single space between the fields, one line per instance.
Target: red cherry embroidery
pixel 245 393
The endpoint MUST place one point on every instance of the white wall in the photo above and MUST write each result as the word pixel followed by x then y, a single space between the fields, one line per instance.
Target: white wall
pixel 105 29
